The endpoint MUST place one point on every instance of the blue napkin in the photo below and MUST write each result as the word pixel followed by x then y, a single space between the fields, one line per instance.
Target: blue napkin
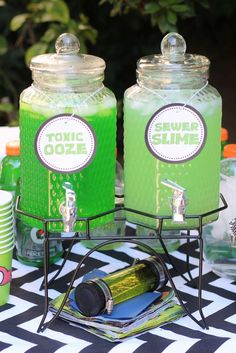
pixel 133 307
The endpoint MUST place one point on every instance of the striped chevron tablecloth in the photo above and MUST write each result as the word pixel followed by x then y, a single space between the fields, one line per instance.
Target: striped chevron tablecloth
pixel 20 318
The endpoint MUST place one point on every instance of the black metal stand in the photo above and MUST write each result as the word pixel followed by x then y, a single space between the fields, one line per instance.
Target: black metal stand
pixel 131 239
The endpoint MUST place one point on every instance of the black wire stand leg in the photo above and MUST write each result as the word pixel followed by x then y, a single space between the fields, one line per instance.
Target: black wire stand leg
pixel 187 257
pixel 66 255
pixel 200 280
pixel 170 259
pixel 45 281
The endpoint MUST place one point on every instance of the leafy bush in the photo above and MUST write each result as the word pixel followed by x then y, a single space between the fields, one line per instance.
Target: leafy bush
pixel 30 28
pixel 120 31
pixel 162 13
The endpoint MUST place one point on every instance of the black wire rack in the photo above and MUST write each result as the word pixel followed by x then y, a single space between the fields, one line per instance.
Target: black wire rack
pixel 138 240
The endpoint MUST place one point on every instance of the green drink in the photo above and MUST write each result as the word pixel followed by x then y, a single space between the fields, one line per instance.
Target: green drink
pixel 68 135
pixel 172 125
pixel 99 294
pixel 10 167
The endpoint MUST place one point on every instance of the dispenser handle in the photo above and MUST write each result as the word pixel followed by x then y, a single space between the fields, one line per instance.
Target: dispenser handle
pixel 68 208
pixel 171 184
pixel 178 202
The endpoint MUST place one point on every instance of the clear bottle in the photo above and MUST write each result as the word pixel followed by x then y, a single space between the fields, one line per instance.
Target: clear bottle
pixel 68 136
pixel 30 245
pixel 219 245
pixel 172 124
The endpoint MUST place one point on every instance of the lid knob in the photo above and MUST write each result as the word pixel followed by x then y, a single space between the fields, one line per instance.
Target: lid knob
pixel 173 47
pixel 67 44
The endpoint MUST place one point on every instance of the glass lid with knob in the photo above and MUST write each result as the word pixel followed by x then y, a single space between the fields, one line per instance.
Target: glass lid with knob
pixel 173 57
pixel 67 58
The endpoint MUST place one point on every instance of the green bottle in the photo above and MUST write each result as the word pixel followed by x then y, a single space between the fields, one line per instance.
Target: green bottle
pixel 10 167
pixel 100 294
pixel 29 241
pixel 68 139
pixel 172 125
pixel 30 245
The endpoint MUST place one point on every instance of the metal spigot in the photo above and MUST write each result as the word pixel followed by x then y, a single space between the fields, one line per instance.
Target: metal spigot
pixel 68 208
pixel 232 225
pixel 178 201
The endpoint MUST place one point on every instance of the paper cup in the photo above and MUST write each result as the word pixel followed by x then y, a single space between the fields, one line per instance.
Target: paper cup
pixel 6 231
pixel 6 213
pixel 7 235
pixel 7 245
pixel 7 250
pixel 6 225
pixel 7 239
pixel 4 220
pixel 6 210
pixel 5 273
pixel 5 200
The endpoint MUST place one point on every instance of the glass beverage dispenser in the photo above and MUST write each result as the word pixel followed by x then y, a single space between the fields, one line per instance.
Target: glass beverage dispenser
pixel 172 125
pixel 68 139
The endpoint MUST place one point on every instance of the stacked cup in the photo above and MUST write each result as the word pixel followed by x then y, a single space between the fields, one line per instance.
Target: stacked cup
pixel 7 243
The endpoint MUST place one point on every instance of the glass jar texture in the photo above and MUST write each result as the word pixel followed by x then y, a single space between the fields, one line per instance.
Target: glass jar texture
pixel 158 145
pixel 219 237
pixel 67 113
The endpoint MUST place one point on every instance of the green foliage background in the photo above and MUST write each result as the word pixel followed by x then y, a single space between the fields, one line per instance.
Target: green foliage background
pixel 120 31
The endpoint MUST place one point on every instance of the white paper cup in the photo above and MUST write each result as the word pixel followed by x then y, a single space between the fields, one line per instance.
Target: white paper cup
pixel 5 199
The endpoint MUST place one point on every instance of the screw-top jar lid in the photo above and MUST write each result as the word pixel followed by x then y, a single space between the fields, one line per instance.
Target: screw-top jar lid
pixel 224 134
pixel 13 148
pixel 173 58
pixel 67 58
pixel 230 150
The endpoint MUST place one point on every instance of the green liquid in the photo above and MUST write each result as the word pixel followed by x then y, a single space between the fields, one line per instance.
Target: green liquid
pixel 30 246
pixel 143 172
pixel 41 189
pixel 10 173
pixel 130 282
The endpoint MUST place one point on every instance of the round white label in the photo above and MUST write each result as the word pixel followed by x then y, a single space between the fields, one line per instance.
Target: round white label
pixel 37 236
pixel 176 133
pixel 65 143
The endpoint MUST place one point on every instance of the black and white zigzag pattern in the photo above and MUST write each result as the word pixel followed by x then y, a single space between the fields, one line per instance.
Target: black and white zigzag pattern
pixel 19 319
